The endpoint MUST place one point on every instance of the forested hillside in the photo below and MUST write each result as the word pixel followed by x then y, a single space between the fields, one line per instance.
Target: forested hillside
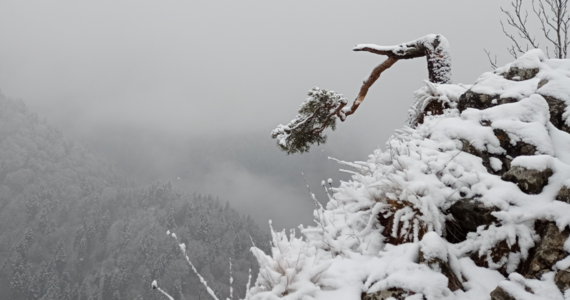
pixel 73 227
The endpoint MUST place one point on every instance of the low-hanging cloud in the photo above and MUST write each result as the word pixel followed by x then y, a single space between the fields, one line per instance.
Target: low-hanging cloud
pixel 192 89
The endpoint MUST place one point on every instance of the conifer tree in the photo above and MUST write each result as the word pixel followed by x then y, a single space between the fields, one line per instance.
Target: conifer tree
pixel 60 257
pixel 20 280
pixel 204 230
pixel 32 207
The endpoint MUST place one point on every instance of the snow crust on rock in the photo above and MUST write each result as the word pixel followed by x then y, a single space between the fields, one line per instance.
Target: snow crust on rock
pixel 530 60
pixel 433 246
pixel 496 163
pixel 421 173
pixel 538 162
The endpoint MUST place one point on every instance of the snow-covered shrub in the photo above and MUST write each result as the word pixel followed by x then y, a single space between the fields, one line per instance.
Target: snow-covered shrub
pixel 291 271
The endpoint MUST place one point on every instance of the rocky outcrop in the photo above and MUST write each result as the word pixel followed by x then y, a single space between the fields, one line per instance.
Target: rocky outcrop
pixel 529 181
pixel 564 194
pixel 486 157
pixel 562 280
pixel 433 108
pixel 557 108
pixel 443 267
pixel 549 250
pixel 520 74
pixel 450 218
pixel 468 214
pixel 500 294
pixel 394 293
pixel 475 100
pixel 542 258
pixel 499 252
pixel 513 149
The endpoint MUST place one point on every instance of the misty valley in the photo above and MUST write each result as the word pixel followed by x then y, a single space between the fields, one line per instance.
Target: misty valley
pixel 206 150
pixel 74 227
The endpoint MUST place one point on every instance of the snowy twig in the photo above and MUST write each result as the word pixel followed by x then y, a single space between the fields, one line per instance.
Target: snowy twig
pixel 554 22
pixel 492 62
pixel 231 281
pixel 247 294
pixel 156 287
pixel 182 247
pixel 559 23
pixel 519 23
pixel 318 206
pixel 266 261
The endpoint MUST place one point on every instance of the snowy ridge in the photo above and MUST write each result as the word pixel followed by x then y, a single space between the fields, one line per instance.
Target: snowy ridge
pixel 390 231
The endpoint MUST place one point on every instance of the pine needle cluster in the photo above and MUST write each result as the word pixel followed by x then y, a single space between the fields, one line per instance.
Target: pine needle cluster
pixel 316 113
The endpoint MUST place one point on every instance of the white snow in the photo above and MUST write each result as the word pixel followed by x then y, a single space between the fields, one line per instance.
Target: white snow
pixel 536 162
pixel 414 181
pixel 433 246
pixel 441 60
pixel 530 60
pixel 496 163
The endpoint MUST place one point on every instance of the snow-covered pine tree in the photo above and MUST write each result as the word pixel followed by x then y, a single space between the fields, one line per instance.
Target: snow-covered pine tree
pixel 322 108
pixel 204 233
pixel 21 279
pixel 60 257
pixel 127 234
pixel 32 207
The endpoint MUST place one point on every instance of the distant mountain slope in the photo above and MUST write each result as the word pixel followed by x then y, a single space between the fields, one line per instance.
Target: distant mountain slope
pixel 73 227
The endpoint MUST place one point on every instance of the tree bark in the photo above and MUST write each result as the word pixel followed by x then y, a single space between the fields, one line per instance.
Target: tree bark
pixel 367 84
pixel 434 47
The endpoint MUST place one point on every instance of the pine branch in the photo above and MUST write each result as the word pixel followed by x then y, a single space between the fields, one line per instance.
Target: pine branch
pixel 322 108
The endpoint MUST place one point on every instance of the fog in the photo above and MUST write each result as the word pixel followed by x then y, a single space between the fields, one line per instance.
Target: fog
pixel 188 91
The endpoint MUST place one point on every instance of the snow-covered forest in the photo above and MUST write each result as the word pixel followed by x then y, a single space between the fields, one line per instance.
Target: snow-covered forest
pixel 74 227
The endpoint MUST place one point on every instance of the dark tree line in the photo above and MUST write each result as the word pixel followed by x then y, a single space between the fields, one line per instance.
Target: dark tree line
pixel 72 227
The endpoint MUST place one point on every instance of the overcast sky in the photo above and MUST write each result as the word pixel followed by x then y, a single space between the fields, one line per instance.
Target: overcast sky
pixel 188 91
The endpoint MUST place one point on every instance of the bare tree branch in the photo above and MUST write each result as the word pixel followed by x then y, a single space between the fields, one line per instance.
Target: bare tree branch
pixel 545 22
pixel 492 62
pixel 518 22
pixel 368 83
pixel 433 47
pixel 554 23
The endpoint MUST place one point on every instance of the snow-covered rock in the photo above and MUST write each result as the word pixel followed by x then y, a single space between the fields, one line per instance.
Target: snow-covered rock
pixel 470 201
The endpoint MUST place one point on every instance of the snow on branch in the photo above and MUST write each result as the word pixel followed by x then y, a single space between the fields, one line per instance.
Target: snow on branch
pixel 322 108
pixel 156 287
pixel 182 247
pixel 231 281
pixel 433 46
pixel 293 269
